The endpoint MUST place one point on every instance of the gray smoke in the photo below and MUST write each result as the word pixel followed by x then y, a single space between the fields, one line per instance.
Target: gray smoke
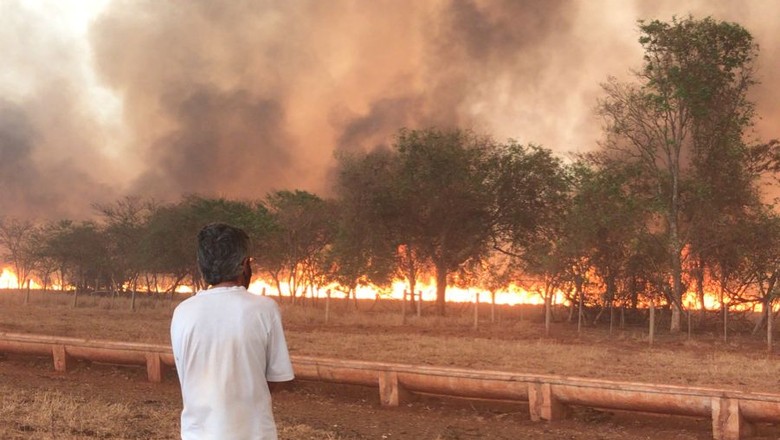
pixel 50 150
pixel 240 98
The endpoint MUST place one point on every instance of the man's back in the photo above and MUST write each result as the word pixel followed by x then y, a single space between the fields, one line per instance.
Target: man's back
pixel 228 344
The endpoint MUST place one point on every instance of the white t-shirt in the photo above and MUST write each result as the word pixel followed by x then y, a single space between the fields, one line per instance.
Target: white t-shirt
pixel 227 345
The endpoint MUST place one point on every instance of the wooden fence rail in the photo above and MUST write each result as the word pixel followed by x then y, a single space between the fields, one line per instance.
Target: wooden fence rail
pixel 548 397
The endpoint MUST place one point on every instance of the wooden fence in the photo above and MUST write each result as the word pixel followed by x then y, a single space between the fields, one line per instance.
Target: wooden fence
pixel 548 397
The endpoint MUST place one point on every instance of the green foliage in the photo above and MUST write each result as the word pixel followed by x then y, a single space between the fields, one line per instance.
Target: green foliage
pixel 530 189
pixel 301 226
pixel 365 244
pixel 683 124
pixel 169 246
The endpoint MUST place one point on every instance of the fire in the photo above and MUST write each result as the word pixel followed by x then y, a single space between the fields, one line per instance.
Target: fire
pixel 8 279
pixel 511 296
pixel 691 301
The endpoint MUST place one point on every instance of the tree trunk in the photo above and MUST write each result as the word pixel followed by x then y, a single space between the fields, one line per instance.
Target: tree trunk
pixel 622 316
pixel 769 323
pixel 578 283
pixel 132 296
pixel 674 234
pixel 652 321
pixel 676 281
pixel 493 307
pixel 690 326
pixel 547 311
pixel 403 309
pixel 327 307
pixel 441 289
pixel 476 311
pixel 725 310
pixel 411 273
pixel 611 299
pixel 700 289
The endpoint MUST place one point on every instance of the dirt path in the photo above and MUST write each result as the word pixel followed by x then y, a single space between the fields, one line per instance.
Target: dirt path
pixel 102 401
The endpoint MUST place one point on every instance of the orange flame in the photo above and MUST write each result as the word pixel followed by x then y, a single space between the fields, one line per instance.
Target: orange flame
pixel 9 280
pixel 513 295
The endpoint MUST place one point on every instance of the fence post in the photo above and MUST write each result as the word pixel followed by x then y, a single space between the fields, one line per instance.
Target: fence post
pixel 770 324
pixel 543 405
pixel 155 369
pixel 419 303
pixel 652 320
pixel 391 392
pixel 327 306
pixel 60 357
pixel 403 309
pixel 476 310
pixel 690 326
pixel 492 307
pixel 727 420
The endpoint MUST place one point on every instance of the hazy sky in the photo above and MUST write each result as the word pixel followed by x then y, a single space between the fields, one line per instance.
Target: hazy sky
pixel 101 98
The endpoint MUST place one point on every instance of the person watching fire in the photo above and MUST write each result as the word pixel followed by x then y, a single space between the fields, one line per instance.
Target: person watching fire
pixel 228 345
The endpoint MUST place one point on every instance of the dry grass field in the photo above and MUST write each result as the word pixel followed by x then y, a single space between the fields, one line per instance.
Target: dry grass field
pixel 97 401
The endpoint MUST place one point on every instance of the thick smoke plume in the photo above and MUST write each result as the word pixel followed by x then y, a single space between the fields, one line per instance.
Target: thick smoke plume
pixel 236 99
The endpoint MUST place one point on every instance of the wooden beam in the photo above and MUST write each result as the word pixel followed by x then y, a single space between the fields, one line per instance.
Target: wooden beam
pixel 543 405
pixel 391 392
pixel 727 420
pixel 732 412
pixel 155 369
pixel 60 357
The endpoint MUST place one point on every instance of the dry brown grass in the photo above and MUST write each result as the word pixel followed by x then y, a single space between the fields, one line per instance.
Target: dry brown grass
pixel 52 414
pixel 377 334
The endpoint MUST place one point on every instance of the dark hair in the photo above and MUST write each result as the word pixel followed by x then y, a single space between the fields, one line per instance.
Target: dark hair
pixel 222 250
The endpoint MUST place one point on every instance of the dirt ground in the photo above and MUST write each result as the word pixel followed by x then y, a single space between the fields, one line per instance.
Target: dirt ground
pixel 103 401
pixel 42 404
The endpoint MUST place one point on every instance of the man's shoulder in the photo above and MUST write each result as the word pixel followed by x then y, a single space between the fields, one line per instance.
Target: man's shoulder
pixel 198 296
pixel 262 302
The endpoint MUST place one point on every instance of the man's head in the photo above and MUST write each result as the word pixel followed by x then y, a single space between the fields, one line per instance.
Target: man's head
pixel 223 254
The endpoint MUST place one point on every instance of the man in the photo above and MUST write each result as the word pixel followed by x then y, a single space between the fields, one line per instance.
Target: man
pixel 228 345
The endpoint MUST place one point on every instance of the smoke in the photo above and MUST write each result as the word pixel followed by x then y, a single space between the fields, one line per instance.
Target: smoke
pixel 50 146
pixel 240 98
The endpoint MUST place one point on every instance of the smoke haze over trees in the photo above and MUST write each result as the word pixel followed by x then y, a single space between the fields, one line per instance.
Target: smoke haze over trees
pixel 160 98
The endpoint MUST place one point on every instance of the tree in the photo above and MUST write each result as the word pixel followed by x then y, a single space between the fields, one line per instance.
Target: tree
pixel 15 237
pixel 690 97
pixel 169 242
pixel 45 264
pixel 124 223
pixel 604 220
pixel 301 227
pixel 79 251
pixel 529 189
pixel 443 202
pixel 762 235
pixel 364 246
